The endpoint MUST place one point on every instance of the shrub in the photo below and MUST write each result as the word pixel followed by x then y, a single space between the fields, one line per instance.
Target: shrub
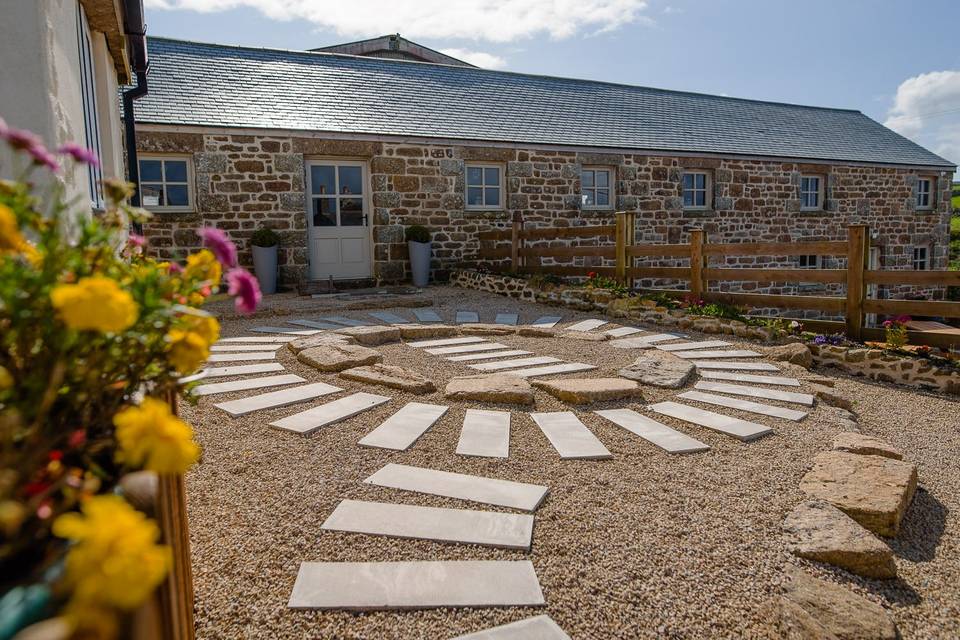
pixel 265 237
pixel 616 287
pixel 896 331
pixel 417 233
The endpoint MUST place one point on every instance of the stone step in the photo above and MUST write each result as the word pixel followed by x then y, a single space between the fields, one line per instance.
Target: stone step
pixel 740 429
pixel 466 526
pixel 286 331
pixel 535 628
pixel 487 356
pixel 243 369
pixel 347 322
pixel 243 348
pixel 643 342
pixel 513 364
pixel 501 493
pixel 444 342
pixel 313 324
pixel 689 346
pixel 550 369
pixel 251 339
pixel 306 422
pixel 546 321
pixel 467 348
pixel 402 429
pixel 744 405
pixel 241 357
pixel 375 586
pixel 756 392
pixel 733 353
pixel 670 440
pixel 746 377
pixel 734 366
pixel 570 437
pixel 427 315
pixel 276 399
pixel 587 325
pixel 620 332
pixel 389 318
pixel 247 384
pixel 507 318
pixel 485 434
pixel 464 317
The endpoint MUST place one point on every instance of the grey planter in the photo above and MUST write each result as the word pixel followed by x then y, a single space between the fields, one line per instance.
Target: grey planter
pixel 265 266
pixel 419 262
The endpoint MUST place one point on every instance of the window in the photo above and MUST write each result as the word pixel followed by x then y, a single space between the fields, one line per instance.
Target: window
pixel 88 96
pixel 337 189
pixel 696 191
pixel 165 183
pixel 811 193
pixel 925 193
pixel 809 262
pixel 595 188
pixel 484 186
pixel 919 258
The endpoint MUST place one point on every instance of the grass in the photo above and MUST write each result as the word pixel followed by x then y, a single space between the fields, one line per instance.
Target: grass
pixel 955 242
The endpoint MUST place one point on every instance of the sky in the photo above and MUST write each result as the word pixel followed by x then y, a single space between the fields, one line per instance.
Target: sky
pixel 896 61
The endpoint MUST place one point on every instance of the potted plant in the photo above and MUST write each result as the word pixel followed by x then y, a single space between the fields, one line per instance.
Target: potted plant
pixel 264 244
pixel 418 244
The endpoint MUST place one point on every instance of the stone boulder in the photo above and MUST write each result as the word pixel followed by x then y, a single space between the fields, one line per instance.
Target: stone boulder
pixel 390 376
pixel 500 388
pixel 659 369
pixel 590 390
pixel 873 490
pixel 584 336
pixel 481 329
pixel 707 325
pixel 426 331
pixel 337 357
pixel 372 336
pixel 793 352
pixel 622 307
pixel 829 396
pixel 865 446
pixel 811 608
pixel 816 530
pixel 318 340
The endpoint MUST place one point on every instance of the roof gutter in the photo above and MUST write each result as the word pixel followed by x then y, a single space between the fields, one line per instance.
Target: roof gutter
pixel 136 32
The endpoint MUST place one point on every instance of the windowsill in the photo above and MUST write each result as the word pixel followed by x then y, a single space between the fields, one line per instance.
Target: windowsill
pixel 925 210
pixel 819 211
pixel 162 210
pixel 484 209
pixel 597 209
pixel 698 213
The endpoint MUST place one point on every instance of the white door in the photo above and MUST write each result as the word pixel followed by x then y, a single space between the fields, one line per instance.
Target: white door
pixel 337 221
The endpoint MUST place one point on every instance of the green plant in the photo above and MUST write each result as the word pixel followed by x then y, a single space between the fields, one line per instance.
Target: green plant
pixel 265 237
pixel 896 332
pixel 417 233
pixel 616 287
pixel 663 300
pixel 714 310
pixel 543 280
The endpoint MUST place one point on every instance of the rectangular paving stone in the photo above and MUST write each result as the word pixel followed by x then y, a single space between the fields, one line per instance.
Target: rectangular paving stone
pixel 501 493
pixel 467 316
pixel 565 367
pixel 306 422
pixel 373 586
pixel 276 399
pixel 467 526
pixel 443 342
pixel 389 318
pixel 243 369
pixel 744 405
pixel 513 364
pixel 507 318
pixel 570 437
pixel 684 346
pixel 313 324
pixel 488 355
pixel 251 339
pixel 402 429
pixel 286 331
pixel 240 357
pixel 249 383
pixel 756 392
pixel 733 353
pixel 642 342
pixel 427 315
pixel 620 332
pixel 242 348
pixel 587 325
pixel 347 322
pixel 734 366
pixel 546 321
pixel 670 440
pixel 485 434
pixel 467 348
pixel 740 429
pixel 746 377
pixel 535 628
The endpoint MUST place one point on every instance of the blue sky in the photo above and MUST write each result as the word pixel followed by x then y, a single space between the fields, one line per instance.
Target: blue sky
pixel 898 62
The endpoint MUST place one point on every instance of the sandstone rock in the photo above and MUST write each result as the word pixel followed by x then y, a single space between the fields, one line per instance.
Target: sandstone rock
pixel 501 388
pixel 793 352
pixel 659 369
pixel 391 376
pixel 833 398
pixel 373 335
pixel 584 336
pixel 817 530
pixel 537 332
pixel 865 445
pixel 426 331
pixel 621 307
pixel 318 340
pixel 337 357
pixel 821 380
pixel 811 608
pixel 873 490
pixel 707 325
pixel 590 390
pixel 481 329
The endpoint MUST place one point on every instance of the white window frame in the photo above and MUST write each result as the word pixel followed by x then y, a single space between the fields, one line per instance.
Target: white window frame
pixel 595 188
pixel 483 186
pixel 819 192
pixel 191 196
pixel 88 98
pixel 923 261
pixel 928 193
pixel 817 261
pixel 707 191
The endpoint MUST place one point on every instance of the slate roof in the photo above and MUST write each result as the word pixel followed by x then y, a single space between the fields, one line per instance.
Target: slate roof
pixel 217 85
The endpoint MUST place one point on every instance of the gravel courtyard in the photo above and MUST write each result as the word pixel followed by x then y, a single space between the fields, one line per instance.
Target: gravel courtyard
pixel 644 545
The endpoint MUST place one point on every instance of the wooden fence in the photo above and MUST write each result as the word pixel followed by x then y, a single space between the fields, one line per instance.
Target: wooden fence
pixel 623 252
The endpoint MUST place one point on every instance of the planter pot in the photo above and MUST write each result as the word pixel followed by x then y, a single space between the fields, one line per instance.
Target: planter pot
pixel 419 262
pixel 265 266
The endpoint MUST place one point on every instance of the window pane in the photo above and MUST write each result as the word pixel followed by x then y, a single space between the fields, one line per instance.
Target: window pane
pixel 688 181
pixel 700 198
pixel 351 212
pixel 688 198
pixel 475 196
pixel 603 178
pixel 589 198
pixel 586 179
pixel 474 175
pixel 700 180
pixel 151 195
pixel 175 170
pixel 324 212
pixel 603 197
pixel 351 180
pixel 492 196
pixel 491 176
pixel 151 170
pixel 177 195
pixel 322 180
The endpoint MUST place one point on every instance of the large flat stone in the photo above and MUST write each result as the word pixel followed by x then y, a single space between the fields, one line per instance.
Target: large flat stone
pixel 388 317
pixel 535 628
pixel 467 316
pixel 243 369
pixel 583 336
pixel 507 318
pixel 552 369
pixel 467 526
pixel 275 399
pixel 347 322
pixel 373 335
pixel 286 331
pixel 670 440
pixel 590 390
pixel 337 357
pixel 427 315
pixel 642 342
pixel 253 339
pixel 817 530
pixel 245 385
pixel 371 586
pixel 488 355
pixel 570 437
pixel 587 325
pixel 402 429
pixel 620 332
pixel 730 376
pixel 659 369
pixel 306 422
pixel 514 363
pixel 546 321
pixel 466 348
pixel 873 490
pixel 705 353
pixel 319 340
pixel 312 324
pixel 734 366
pixel 426 331
pixel 740 429
pixel 244 348
pixel 446 342
pixel 744 405
pixel 865 445
pixel 485 434
pixel 497 387
pixel 690 346
pixel 242 357
pixel 501 493
pixel 756 392
pixel 392 376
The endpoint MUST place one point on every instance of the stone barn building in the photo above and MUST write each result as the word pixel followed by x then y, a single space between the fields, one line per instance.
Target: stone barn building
pixel 340 152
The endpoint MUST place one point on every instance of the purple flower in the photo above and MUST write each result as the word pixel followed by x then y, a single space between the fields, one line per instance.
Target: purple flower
pixel 42 157
pixel 246 289
pixel 820 340
pixel 218 242
pixel 79 153
pixel 20 138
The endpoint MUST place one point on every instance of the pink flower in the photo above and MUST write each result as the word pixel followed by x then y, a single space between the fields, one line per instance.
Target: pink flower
pixel 136 240
pixel 246 289
pixel 28 141
pixel 79 153
pixel 174 268
pixel 218 242
pixel 903 319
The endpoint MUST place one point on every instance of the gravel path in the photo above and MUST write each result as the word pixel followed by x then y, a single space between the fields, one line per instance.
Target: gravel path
pixel 643 545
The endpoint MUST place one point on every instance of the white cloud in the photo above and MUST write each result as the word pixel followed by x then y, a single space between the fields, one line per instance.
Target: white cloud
pixel 478 58
pixel 926 109
pixel 490 20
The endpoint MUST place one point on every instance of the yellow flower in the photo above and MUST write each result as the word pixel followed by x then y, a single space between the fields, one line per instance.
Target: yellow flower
pixel 203 265
pixel 190 345
pixel 96 303
pixel 11 240
pixel 6 380
pixel 206 326
pixel 151 437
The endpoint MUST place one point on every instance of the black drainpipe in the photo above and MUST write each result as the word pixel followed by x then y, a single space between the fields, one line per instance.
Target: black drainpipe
pixel 136 32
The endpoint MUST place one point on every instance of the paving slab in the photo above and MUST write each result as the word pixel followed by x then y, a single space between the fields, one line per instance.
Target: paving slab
pixel 586 325
pixel 267 339
pixel 746 377
pixel 347 322
pixel 570 437
pixel 306 422
pixel 535 628
pixel 546 321
pixel 444 342
pixel 402 429
pixel 243 348
pixel 740 429
pixel 744 405
pixel 670 440
pixel 643 342
pixel 513 364
pixel 488 355
pixel 286 331
pixel 240 357
pixel 689 346
pixel 467 348
pixel 467 316
pixel 620 332
pixel 733 353
pixel 427 315
pixel 247 384
pixel 313 324
pixel 731 365
pixel 389 318
pixel 243 369
pixel 501 493
pixel 756 392
pixel 507 318
pixel 564 367
pixel 467 526
pixel 373 586
pixel 485 434
pixel 276 399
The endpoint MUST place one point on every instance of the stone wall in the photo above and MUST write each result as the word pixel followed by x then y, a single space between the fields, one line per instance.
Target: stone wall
pixel 879 365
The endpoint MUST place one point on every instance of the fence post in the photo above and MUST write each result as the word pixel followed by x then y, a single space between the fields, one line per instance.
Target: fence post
pixel 696 264
pixel 621 242
pixel 857 238
pixel 631 239
pixel 515 242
